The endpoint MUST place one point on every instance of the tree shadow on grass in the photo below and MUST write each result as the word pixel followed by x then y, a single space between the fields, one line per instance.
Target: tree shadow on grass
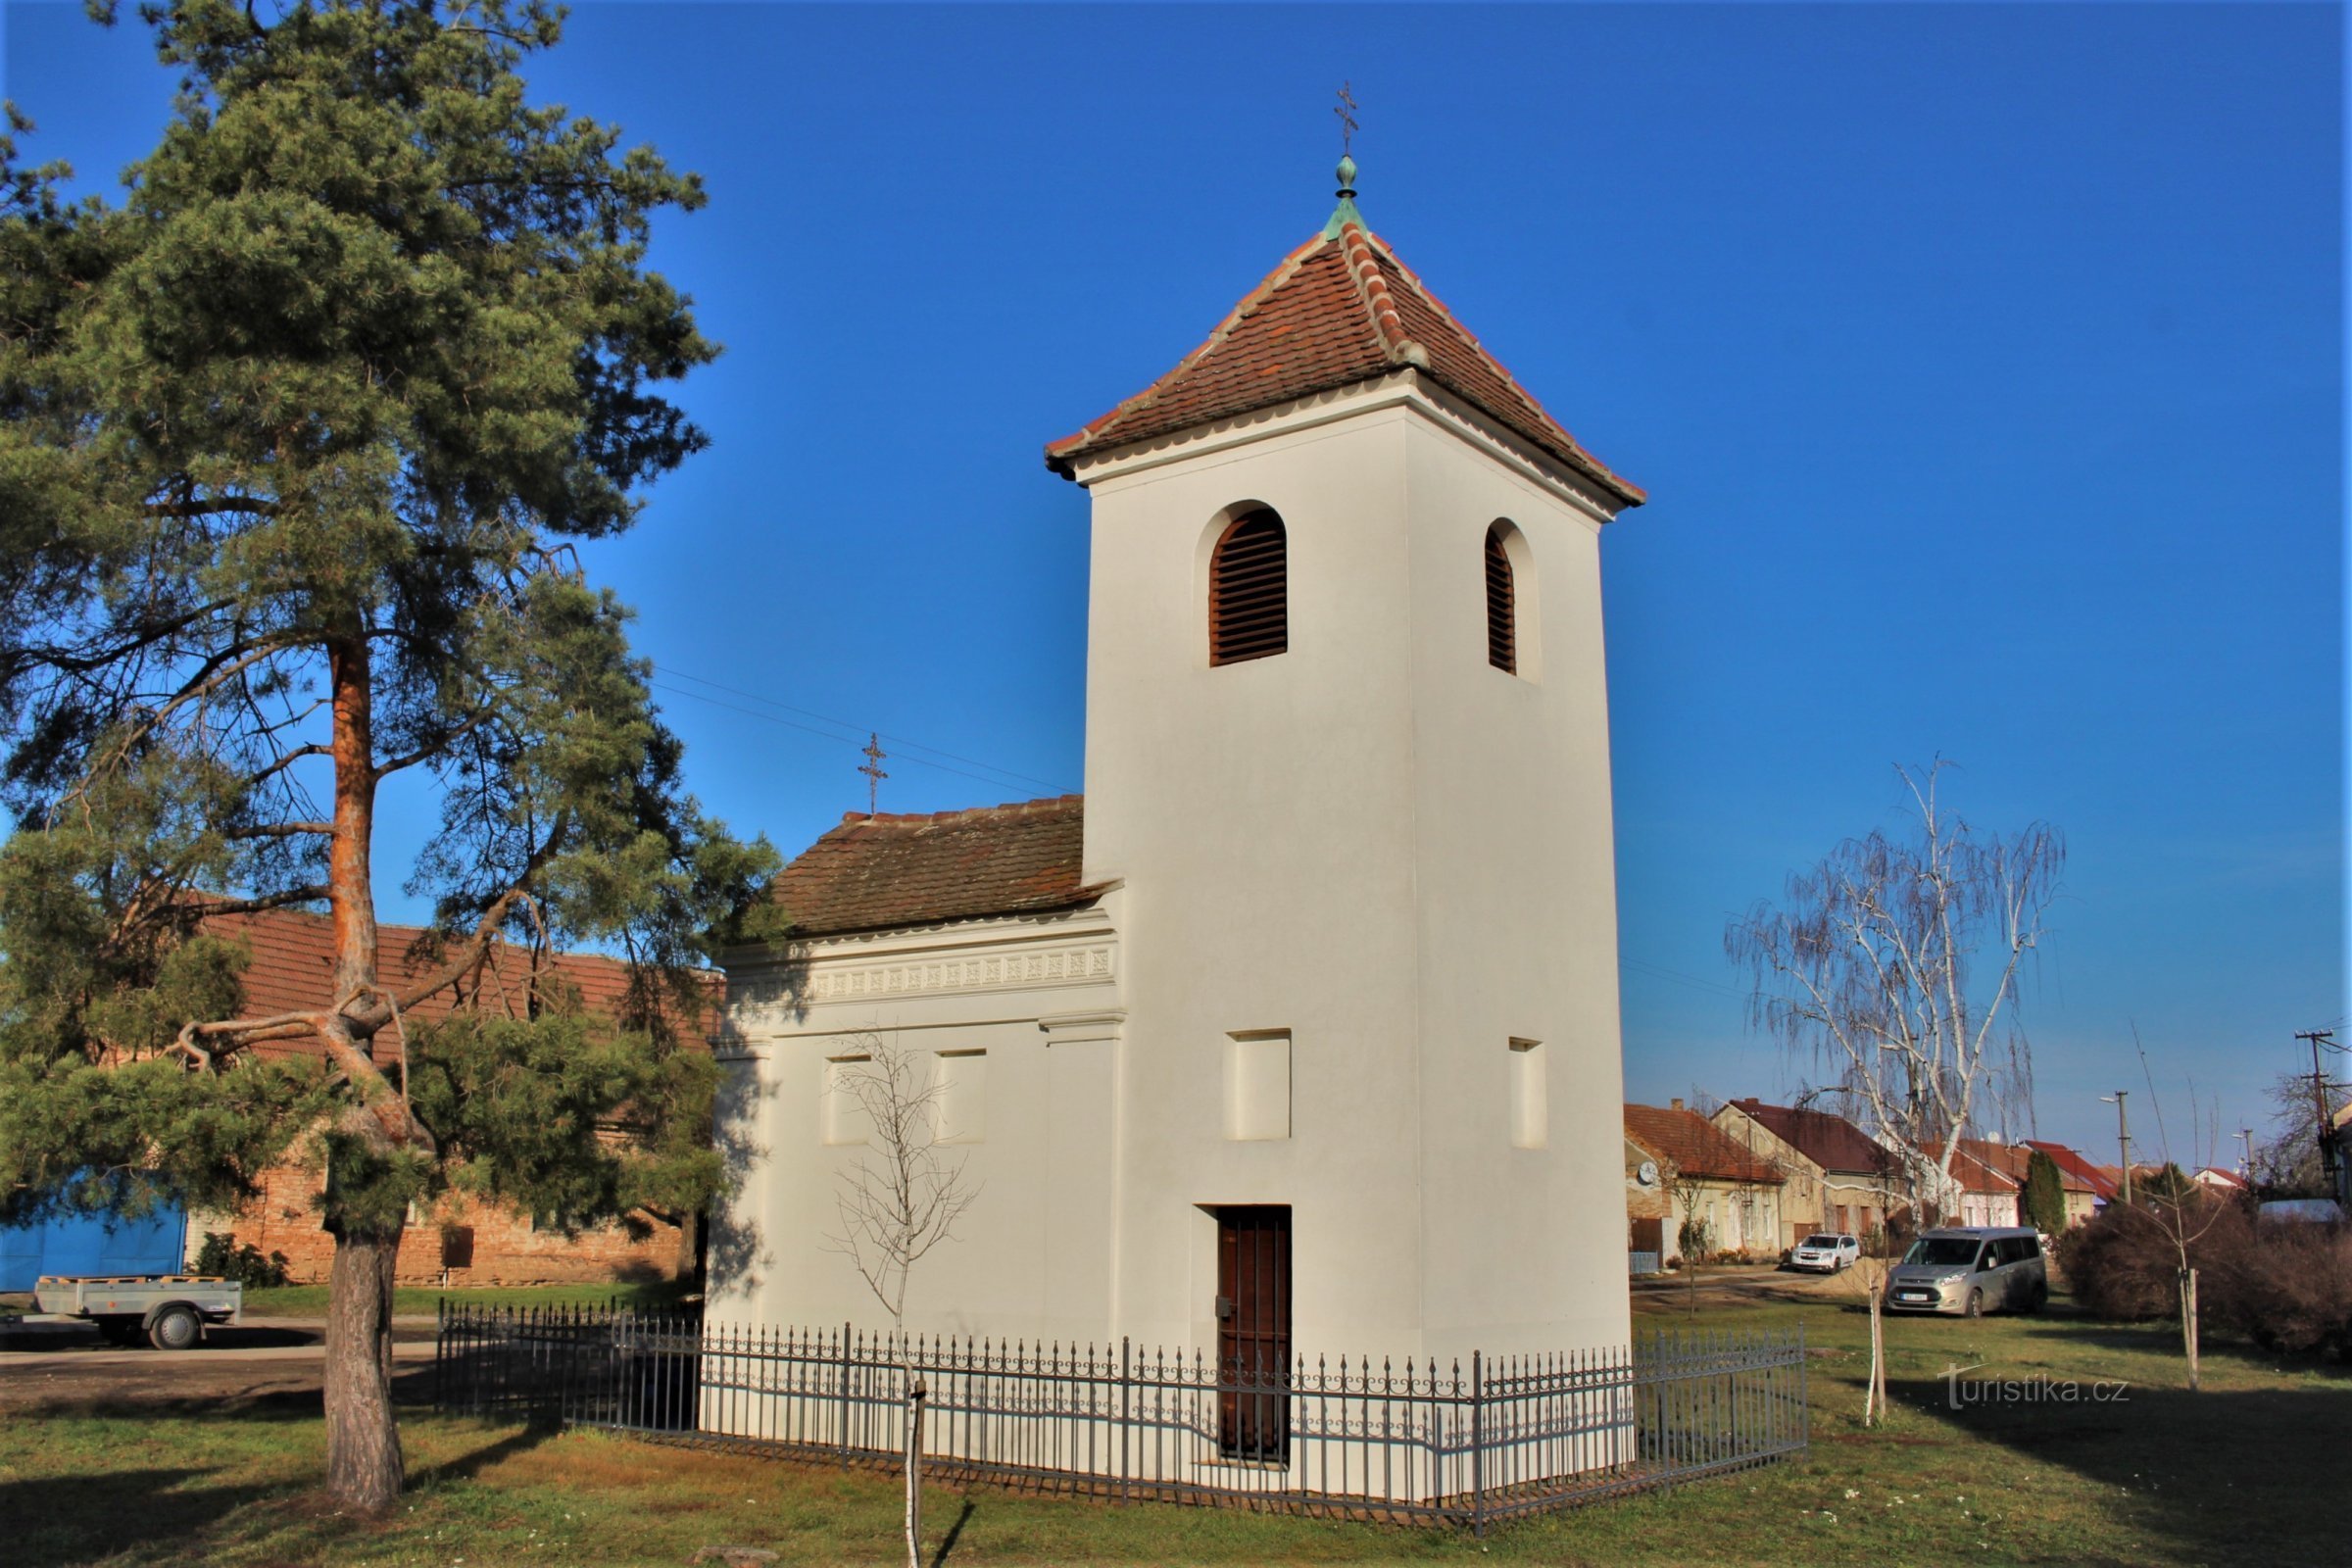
pixel 55 1520
pixel 2229 1477
pixel 947 1544
pixel 2162 1338
pixel 466 1466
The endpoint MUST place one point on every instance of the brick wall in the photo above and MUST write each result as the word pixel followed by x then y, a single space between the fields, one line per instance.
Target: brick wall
pixel 507 1249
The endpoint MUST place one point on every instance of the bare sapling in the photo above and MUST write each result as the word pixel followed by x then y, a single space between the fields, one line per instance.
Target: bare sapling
pixel 2178 1206
pixel 897 1199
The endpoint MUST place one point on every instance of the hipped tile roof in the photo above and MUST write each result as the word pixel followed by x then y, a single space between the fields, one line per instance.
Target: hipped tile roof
pixel 1976 1175
pixel 292 970
pixel 2016 1160
pixel 1340 310
pixel 1826 1140
pixel 2082 1173
pixel 874 873
pixel 1695 1146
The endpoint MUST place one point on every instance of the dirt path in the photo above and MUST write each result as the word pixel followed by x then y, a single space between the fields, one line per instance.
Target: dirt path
pixel 261 1360
pixel 1743 1285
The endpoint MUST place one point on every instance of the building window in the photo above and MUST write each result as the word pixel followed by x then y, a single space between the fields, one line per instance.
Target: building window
pixel 841 1118
pixel 959 1095
pixel 1502 608
pixel 1258 1084
pixel 1249 590
pixel 1531 1114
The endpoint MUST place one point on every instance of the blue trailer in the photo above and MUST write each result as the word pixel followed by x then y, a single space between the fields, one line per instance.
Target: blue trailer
pixel 94 1243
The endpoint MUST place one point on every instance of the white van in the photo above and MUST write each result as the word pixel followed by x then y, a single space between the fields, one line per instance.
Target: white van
pixel 1971 1270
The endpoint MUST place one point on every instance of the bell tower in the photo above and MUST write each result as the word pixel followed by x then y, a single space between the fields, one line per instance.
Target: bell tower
pixel 1348 763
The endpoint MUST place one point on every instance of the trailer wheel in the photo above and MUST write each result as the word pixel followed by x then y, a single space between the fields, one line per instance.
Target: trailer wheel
pixel 175 1328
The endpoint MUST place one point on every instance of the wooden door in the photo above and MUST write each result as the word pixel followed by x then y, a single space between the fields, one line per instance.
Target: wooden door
pixel 1253 1332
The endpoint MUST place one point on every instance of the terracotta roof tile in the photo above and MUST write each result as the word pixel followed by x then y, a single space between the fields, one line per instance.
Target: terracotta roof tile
pixel 873 873
pixel 1340 310
pixel 2074 1170
pixel 294 959
pixel 1695 1146
pixel 1978 1176
pixel 1829 1140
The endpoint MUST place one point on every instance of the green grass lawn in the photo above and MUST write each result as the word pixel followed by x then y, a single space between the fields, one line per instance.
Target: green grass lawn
pixel 309 1300
pixel 2245 1471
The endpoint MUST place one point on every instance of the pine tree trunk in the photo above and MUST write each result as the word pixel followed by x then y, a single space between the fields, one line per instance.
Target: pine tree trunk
pixel 363 1441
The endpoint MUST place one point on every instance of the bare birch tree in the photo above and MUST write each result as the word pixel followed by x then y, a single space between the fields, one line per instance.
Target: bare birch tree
pixel 1894 964
pixel 899 1197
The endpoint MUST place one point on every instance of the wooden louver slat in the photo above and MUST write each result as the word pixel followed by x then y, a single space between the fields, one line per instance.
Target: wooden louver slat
pixel 1249 591
pixel 1503 640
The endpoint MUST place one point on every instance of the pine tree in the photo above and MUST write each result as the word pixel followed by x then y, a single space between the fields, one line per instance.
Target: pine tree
pixel 297 437
pixel 2044 1196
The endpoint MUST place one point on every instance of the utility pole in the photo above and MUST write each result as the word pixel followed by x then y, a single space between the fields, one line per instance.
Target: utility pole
pixel 2245 1136
pixel 2122 1139
pixel 873 773
pixel 2330 1156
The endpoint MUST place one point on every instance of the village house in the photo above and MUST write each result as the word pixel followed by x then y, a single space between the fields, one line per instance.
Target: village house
pixel 1850 1184
pixel 1299 1031
pixel 2015 1161
pixel 2086 1188
pixel 1648 1208
pixel 1711 1182
pixel 1985 1193
pixel 462 1242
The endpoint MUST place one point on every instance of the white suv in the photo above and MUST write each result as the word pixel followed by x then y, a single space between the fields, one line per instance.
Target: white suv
pixel 1824 1253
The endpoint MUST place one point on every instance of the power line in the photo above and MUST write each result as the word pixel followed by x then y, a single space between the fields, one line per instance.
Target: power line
pixel 1659 972
pixel 901 740
pixel 844 740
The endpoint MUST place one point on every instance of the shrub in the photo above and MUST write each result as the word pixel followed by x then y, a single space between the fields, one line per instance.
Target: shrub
pixel 2285 1286
pixel 220 1255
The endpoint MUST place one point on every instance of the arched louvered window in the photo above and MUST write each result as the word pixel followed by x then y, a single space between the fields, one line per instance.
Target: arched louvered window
pixel 1249 591
pixel 1503 610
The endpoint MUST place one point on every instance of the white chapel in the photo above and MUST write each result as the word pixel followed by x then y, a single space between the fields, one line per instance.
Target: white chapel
pixel 1300 1029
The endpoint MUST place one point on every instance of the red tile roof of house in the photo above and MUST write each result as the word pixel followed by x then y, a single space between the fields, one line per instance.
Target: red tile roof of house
pixel 1826 1140
pixel 1978 1176
pixel 1340 310
pixel 294 958
pixel 874 873
pixel 2015 1160
pixel 1695 1145
pixel 2071 1164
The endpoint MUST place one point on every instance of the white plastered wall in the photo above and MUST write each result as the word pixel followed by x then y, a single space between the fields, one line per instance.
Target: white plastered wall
pixel 1381 845
pixel 1039 996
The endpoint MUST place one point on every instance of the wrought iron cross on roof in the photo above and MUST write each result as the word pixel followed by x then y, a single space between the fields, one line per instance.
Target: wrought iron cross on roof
pixel 1346 110
pixel 873 772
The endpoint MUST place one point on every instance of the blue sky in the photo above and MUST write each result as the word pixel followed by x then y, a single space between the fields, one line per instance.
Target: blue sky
pixel 1984 363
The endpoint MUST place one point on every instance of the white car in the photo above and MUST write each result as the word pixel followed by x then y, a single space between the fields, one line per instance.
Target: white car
pixel 1824 1253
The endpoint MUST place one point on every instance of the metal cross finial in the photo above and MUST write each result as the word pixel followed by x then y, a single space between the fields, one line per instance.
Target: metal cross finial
pixel 873 772
pixel 1346 110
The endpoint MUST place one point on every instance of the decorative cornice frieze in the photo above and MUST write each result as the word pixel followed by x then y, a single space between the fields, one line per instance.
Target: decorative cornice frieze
pixel 766 997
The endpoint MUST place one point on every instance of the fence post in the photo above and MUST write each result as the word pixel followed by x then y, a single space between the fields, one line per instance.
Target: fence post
pixel 1478 1447
pixel 1126 1409
pixel 845 1395
pixel 1804 1406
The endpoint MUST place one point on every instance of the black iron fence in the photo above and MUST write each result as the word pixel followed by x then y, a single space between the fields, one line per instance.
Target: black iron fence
pixel 1463 1443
